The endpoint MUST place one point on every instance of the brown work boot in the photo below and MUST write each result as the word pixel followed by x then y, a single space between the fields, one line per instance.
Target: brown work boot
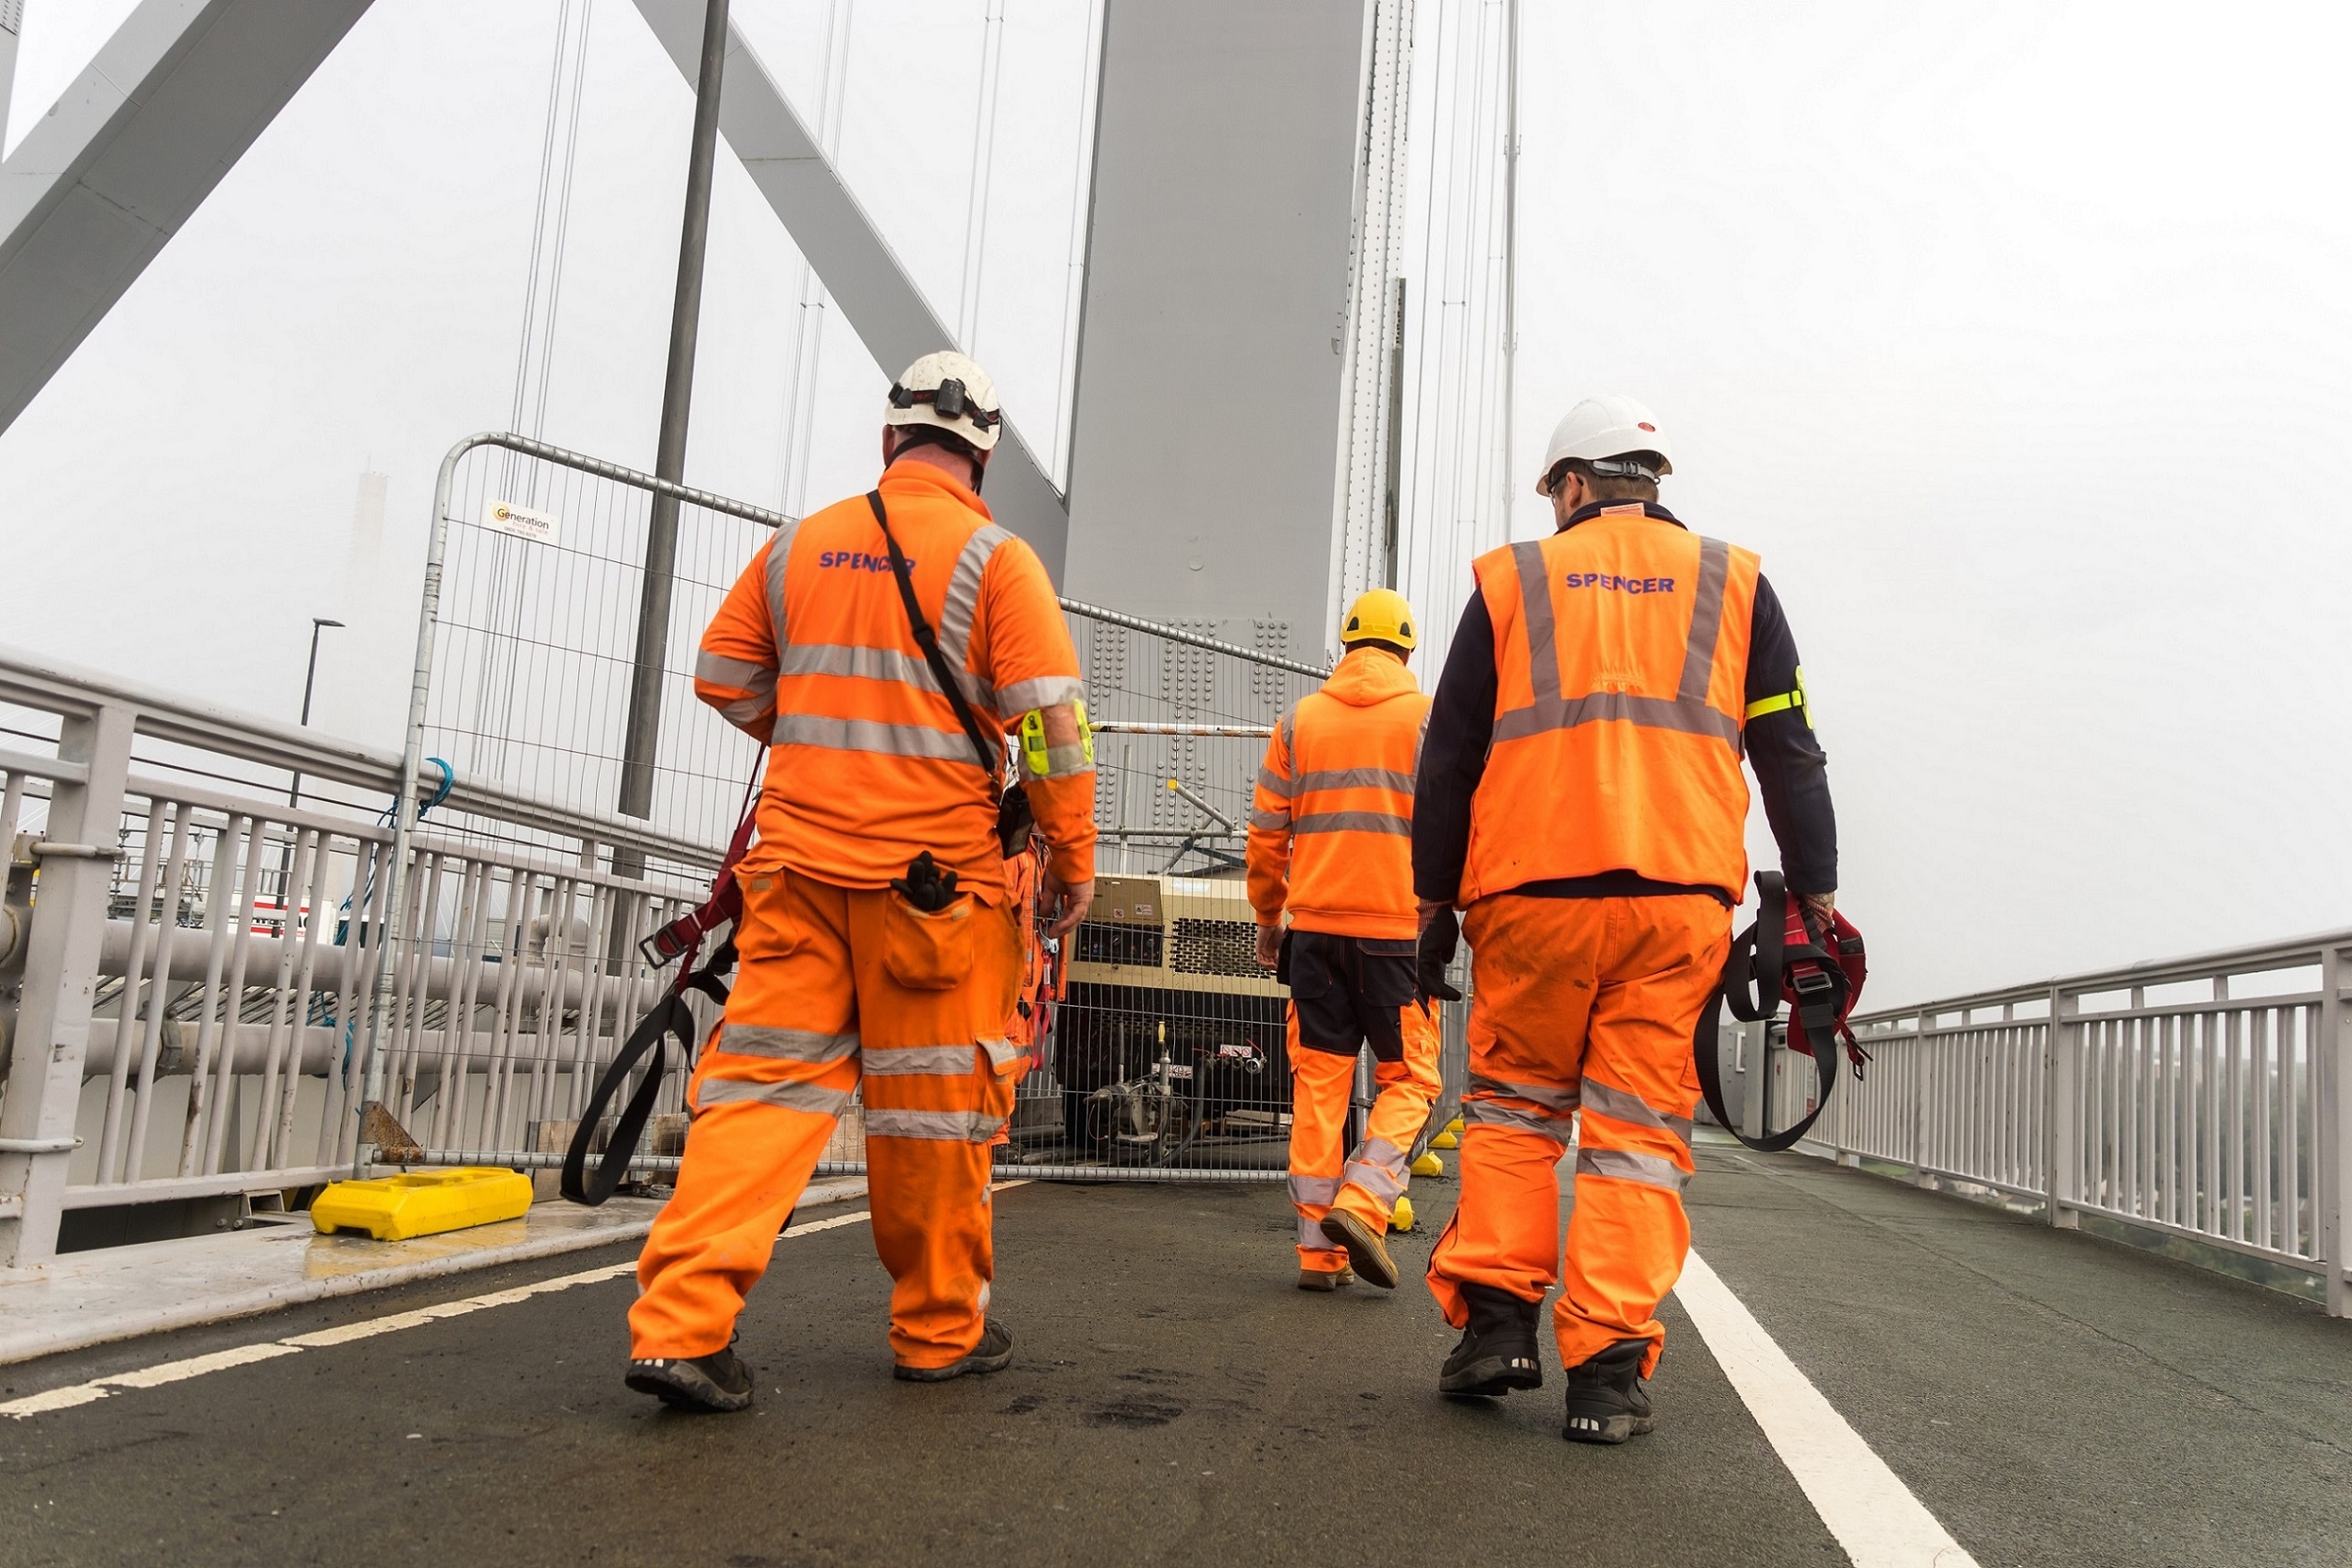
pixel 1325 1279
pixel 993 1354
pixel 1367 1253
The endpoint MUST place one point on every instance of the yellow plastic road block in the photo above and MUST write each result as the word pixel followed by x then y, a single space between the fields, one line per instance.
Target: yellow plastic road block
pixel 421 1203
pixel 1402 1218
pixel 1428 1165
pixel 1449 1139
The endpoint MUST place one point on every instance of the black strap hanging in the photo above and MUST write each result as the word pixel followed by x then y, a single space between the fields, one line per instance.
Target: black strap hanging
pixel 1013 817
pixel 1761 967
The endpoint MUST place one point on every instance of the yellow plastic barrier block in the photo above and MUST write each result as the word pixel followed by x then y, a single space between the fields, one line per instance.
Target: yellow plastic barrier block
pixel 1429 1165
pixel 1402 1218
pixel 421 1203
pixel 1449 1139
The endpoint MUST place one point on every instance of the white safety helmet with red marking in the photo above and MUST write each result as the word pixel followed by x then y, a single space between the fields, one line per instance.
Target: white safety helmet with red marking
pixel 949 391
pixel 1606 432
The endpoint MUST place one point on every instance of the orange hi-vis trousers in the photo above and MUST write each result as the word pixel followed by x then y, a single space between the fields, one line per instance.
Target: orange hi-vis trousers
pixel 835 983
pixel 1367 1182
pixel 1586 1002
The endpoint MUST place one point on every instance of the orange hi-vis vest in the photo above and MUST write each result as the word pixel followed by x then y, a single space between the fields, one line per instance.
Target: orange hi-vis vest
pixel 1620 659
pixel 867 767
pixel 1330 834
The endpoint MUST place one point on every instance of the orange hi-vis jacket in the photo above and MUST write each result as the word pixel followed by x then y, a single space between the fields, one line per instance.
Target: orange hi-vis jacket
pixel 1620 652
pixel 1330 834
pixel 868 766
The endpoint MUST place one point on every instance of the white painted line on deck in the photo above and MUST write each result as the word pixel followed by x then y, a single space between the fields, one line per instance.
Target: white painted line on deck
pixel 1875 1517
pixel 367 1328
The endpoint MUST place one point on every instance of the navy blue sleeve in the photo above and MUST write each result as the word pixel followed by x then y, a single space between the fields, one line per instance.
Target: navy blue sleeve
pixel 1791 771
pixel 1453 756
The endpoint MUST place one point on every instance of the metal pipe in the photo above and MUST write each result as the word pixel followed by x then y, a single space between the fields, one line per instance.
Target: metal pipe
pixel 1193 639
pixel 644 731
pixel 537 1160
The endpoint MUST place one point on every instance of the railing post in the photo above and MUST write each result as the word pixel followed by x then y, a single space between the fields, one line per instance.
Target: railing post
pixel 61 955
pixel 2062 1152
pixel 2333 1158
pixel 1922 1090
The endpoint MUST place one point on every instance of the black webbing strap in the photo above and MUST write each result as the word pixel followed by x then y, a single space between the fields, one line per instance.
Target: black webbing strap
pixel 928 641
pixel 1755 973
pixel 1012 802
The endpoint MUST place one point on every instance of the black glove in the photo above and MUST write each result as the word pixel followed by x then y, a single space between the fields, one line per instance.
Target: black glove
pixel 925 886
pixel 1438 940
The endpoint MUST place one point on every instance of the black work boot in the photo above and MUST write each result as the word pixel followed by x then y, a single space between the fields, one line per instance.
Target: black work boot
pixel 1606 1401
pixel 993 1354
pixel 717 1382
pixel 1497 1352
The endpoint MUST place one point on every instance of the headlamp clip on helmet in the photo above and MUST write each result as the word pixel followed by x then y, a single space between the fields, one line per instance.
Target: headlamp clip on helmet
pixel 950 400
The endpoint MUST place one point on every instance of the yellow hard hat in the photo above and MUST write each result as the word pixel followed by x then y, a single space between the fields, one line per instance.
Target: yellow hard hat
pixel 1379 614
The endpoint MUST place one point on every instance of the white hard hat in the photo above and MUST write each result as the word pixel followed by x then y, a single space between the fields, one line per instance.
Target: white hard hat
pixel 1600 428
pixel 949 391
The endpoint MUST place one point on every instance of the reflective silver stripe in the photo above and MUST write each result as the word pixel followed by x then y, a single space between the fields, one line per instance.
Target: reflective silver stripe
pixel 1488 1114
pixel 784 1044
pixel 954 1061
pixel 962 607
pixel 1378 1167
pixel 747 711
pixel 938 1126
pixel 1707 620
pixel 1274 784
pixel 814 1098
pixel 1355 778
pixel 873 736
pixel 1352 822
pixel 1535 608
pixel 1631 1108
pixel 858 663
pixel 740 673
pixel 1045 691
pixel 1561 1101
pixel 780 554
pixel 1652 713
pixel 1627 1166
pixel 1067 762
pixel 1420 738
pixel 1311 1237
pixel 1314 1190
pixel 1270 821
pixel 1289 729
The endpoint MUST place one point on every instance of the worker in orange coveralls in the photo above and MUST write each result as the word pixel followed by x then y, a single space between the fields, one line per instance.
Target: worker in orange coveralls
pixel 1580 797
pixel 1331 846
pixel 878 942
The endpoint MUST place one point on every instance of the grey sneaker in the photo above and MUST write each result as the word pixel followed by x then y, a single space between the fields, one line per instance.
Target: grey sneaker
pixel 717 1382
pixel 993 1354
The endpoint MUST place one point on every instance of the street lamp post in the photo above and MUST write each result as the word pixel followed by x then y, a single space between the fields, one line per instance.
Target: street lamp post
pixel 294 795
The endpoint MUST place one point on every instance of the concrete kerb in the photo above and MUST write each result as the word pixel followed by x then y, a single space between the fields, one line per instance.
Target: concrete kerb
pixel 120 1293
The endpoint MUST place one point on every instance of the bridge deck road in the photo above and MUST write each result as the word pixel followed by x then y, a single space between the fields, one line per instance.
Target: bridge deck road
pixel 2052 1398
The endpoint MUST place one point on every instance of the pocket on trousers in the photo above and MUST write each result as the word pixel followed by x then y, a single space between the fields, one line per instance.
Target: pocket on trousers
pixel 925 950
pixel 766 929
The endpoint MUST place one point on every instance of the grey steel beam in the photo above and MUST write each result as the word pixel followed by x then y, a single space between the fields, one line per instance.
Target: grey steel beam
pixel 104 180
pixel 880 301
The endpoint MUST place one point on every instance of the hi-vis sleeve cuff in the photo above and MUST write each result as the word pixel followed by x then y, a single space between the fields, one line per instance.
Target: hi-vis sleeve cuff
pixel 743 692
pixel 1065 810
pixel 1041 760
pixel 1785 702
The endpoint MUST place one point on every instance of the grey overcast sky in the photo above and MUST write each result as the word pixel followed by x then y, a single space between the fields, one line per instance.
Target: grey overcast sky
pixel 2014 336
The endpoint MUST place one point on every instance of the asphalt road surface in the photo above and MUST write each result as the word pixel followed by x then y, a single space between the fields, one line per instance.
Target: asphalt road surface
pixel 2052 1398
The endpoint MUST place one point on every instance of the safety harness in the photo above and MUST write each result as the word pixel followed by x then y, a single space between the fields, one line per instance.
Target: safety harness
pixel 679 942
pixel 1775 958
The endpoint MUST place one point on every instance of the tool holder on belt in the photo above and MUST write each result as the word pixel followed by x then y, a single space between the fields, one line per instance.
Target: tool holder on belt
pixel 679 942
pixel 1779 957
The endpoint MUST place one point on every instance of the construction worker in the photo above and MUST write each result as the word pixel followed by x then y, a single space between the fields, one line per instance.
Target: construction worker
pixel 1330 847
pixel 1580 797
pixel 877 939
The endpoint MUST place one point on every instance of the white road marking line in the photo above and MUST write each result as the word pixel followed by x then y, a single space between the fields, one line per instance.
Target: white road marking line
pixel 1875 1517
pixel 392 1322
